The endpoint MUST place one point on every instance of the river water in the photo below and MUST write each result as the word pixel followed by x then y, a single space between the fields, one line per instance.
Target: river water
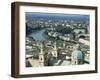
pixel 38 35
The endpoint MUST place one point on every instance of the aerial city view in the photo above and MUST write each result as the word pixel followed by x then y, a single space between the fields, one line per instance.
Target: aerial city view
pixel 56 39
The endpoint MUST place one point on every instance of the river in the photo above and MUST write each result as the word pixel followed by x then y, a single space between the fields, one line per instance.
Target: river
pixel 38 35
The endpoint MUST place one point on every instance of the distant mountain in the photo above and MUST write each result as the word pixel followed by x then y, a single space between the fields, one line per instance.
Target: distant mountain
pixel 37 15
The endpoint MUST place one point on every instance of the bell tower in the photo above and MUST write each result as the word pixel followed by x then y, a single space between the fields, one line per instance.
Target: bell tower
pixel 54 52
pixel 41 56
pixel 64 44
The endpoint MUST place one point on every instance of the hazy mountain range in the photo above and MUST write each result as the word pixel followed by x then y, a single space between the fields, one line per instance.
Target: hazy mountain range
pixel 38 15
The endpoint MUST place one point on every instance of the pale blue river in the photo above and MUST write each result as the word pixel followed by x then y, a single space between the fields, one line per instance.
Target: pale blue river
pixel 38 35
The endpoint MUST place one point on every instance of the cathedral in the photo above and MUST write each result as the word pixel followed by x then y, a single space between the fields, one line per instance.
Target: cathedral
pixel 43 58
pixel 76 56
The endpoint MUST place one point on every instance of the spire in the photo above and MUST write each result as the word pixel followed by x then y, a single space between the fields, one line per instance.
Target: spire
pixel 41 56
pixel 54 52
pixel 64 45
pixel 55 46
pixel 77 47
pixel 41 50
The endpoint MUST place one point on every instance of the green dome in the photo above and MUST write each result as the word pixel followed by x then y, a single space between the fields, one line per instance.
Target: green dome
pixel 77 54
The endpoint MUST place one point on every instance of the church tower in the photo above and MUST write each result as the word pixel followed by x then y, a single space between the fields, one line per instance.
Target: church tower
pixel 41 56
pixel 55 52
pixel 64 44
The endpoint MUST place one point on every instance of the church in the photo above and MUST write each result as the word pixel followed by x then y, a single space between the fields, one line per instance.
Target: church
pixel 44 58
pixel 52 58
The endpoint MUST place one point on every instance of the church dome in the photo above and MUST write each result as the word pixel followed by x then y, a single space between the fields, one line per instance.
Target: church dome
pixel 77 53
